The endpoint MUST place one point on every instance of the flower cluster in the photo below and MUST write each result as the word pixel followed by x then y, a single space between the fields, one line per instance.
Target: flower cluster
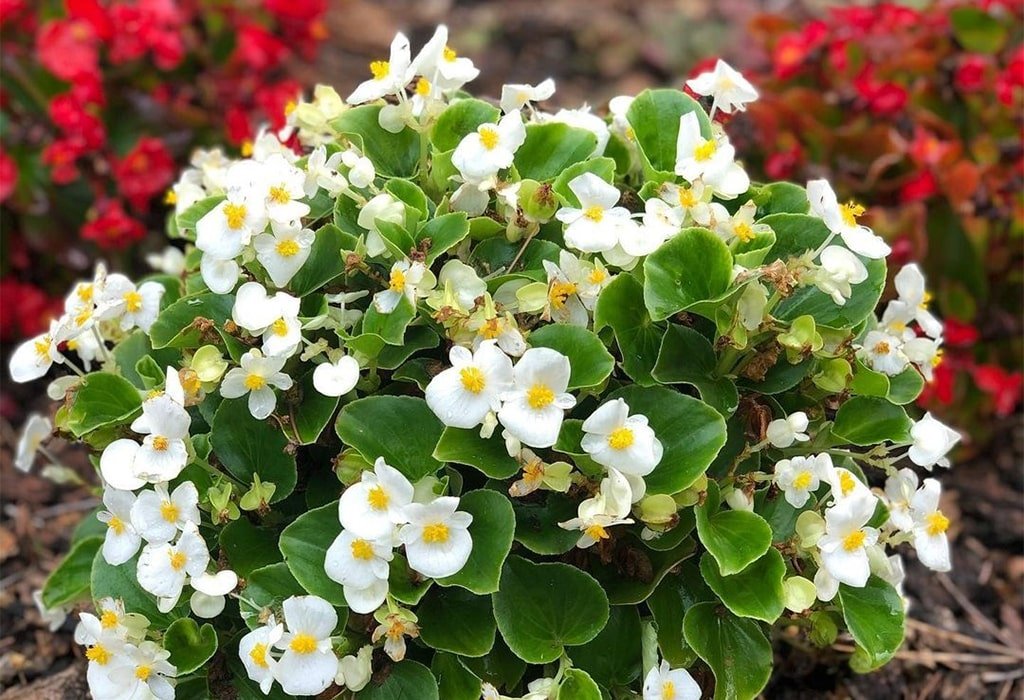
pixel 569 361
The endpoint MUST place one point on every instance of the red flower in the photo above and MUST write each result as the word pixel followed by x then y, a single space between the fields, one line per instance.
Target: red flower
pixel 273 100
pixel 958 334
pixel 971 73
pixel 922 186
pixel 306 10
pixel 60 156
pixel 942 387
pixel 68 48
pixel 110 226
pixel 27 309
pixel 95 14
pixel 883 98
pixel 76 122
pixel 8 176
pixel 236 123
pixel 1004 387
pixel 782 165
pixel 791 50
pixel 144 171
pixel 257 48
pixel 927 148
pixel 1010 81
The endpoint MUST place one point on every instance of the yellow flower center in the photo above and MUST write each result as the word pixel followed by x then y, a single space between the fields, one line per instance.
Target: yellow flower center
pixel 280 195
pixel 160 443
pixel 491 329
pixel 132 301
pixel 142 672
pixel 84 292
pixel 287 248
pixel 597 275
pixel 108 620
pixel 937 523
pixel 594 213
pixel 169 511
pixel 849 212
pixel 449 54
pixel 705 150
pixel 235 215
pixel 898 326
pixel 937 359
pixel 116 524
pixel 539 396
pixel 744 232
pixel 83 317
pixel 881 348
pixel 246 149
pixel 423 87
pixel 435 533
pixel 802 481
pixel 560 292
pixel 378 498
pixel 279 328
pixel 396 631
pixel 254 382
pixel 361 549
pixel 846 482
pixel 472 379
pixel 596 532
pixel 489 137
pixel 178 560
pixel 396 283
pixel 926 300
pixel 854 541
pixel 190 381
pixel 42 346
pixel 380 69
pixel 686 197
pixel 98 653
pixel 259 655
pixel 620 438
pixel 668 690
pixel 533 471
pixel 290 107
pixel 303 643
pixel 171 197
pixel 73 344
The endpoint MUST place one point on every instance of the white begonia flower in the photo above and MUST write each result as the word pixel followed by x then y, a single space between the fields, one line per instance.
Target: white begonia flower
pixel 33 358
pixel 105 650
pixel 925 353
pixel 219 275
pixel 136 306
pixel 912 304
pixel 515 96
pixel 884 353
pixel 840 270
pixel 322 173
pixel 783 432
pixel 899 491
pixel 37 429
pixel 661 221
pixel 537 474
pixel 209 597
pixel 169 261
pixel 308 665
pixel 284 252
pixel 127 465
pixel 225 230
pixel 121 540
pixel 144 672
pixel 691 202
pixel 355 670
pixel 930 527
pixel 711 160
pixel 389 77
pixel 563 303
pixel 257 377
pixel 336 378
pixel 361 566
pixel 412 280
pixel 664 683
pixel 54 617
pixel 87 347
pixel 799 477
pixel 439 63
pixel 842 220
pixel 594 226
pixel 284 336
pixel 609 507
pixel 847 535
pixel 582 118
pixel 394 628
pixel 255 310
pixel 739 499
pixel 462 395
pixel 436 538
pixel 473 196
pixel 284 185
pixel 533 410
pixel 844 484
pixel 932 442
pixel 372 507
pixel 492 147
pixel 254 651
pixel 157 515
pixel 458 286
pixel 615 439
pixel 752 304
pixel 740 226
pixel 825 585
pixel 727 87
pixel 163 568
pixel 268 144
pixel 361 171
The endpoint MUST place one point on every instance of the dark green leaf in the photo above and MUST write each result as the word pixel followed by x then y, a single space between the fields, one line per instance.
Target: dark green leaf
pixel 101 399
pixel 687 357
pixel 493 526
pixel 463 446
pixel 190 645
pixel 737 651
pixel 621 306
pixel 396 155
pixel 304 545
pixel 692 267
pixel 455 620
pixel 378 426
pixel 869 420
pixel 246 446
pixel 755 592
pixel 875 617
pixel 591 362
pixel 70 580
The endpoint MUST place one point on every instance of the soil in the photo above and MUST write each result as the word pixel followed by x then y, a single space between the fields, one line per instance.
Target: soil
pixel 966 628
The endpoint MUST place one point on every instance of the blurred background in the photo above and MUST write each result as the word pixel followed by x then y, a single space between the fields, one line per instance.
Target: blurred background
pixel 913 109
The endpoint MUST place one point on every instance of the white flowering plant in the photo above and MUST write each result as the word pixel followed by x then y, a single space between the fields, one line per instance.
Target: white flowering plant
pixel 449 399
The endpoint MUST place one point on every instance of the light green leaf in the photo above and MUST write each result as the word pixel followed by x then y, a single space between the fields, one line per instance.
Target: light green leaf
pixel 444 233
pixel 621 306
pixel 246 446
pixel 378 426
pixel 875 617
pixel 781 198
pixel 100 399
pixel 677 593
pixel 551 148
pixel 304 545
pixel 70 580
pixel 190 645
pixel 604 168
pixel 465 446
pixel 591 363
pixel 455 620
pixel 905 387
pixel 869 420
pixel 755 592
pixel 462 117
pixel 654 116
pixel 735 538
pixel 692 267
pixel 186 221
pixel 578 685
pixel 687 357
pixel 396 155
pixel 178 325
pixel 721 639
pixel 265 589
pixel 406 680
pixel 977 29
pixel 492 528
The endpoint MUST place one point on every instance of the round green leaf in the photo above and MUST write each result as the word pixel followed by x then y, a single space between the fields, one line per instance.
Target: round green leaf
pixel 631 590
pixel 176 325
pixel 590 361
pixel 460 118
pixel 499 668
pixel 325 262
pixel 868 420
pixel 543 608
pixel 492 529
pixel 311 410
pixel 687 357
pixel 905 387
pixel 392 154
pixel 245 546
pixel 654 116
pixel 621 306
pixel 444 232
pixel 537 524
pixel 455 620
pixel 304 545
pixel 190 645
pixel 677 593
pixel 737 651
pixel 551 148
pixel 70 580
pixel 735 538
pixel 406 680
pixel 755 592
pixel 379 426
pixel 692 267
pixel 454 680
pixel 781 198
pixel 578 685
pixel 490 455
pixel 613 656
pixel 246 446
pixel 406 585
pixel 875 617
pixel 100 399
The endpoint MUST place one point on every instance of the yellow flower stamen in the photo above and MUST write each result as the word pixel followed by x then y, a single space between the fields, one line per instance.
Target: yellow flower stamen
pixel 132 301
pixel 116 524
pixel 290 107
pixel 449 54
pixel 178 560
pixel 280 195
pixel 246 149
pixel 802 481
pixel 142 672
pixel 744 232
pixel 686 197
pixel 596 532
pixel 854 541
pixel 491 329
pixel 597 275
pixel 881 348
pixel 259 655
pixel 160 443
pixel 361 549
pixel 473 379
pixel 396 283
pixel 380 69
pixel 279 328
pixel 98 653
pixel 108 620
pixel 42 346
pixel 594 213
pixel 559 293
pixel 937 523
pixel 423 87
pixel 533 471
pixel 303 643
pixel 846 482
pixel 620 438
pixel 705 150
pixel 489 137
pixel 435 533
pixel 171 197
pixel 254 382
pixel 235 215
pixel 668 690
pixel 926 300
pixel 287 248
pixel 849 212
pixel 169 511
pixel 539 396
pixel 378 498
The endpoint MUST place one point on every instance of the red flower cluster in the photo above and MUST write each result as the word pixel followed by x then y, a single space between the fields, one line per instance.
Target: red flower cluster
pixel 27 309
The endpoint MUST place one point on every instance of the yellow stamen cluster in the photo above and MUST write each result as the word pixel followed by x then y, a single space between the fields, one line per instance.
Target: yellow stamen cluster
pixel 280 195
pixel 854 541
pixel 473 379
pixel 423 87
pixel 489 137
pixel 169 512
pixel 254 382
pixel 160 443
pixel 142 672
pixel 449 54
pixel 303 643
pixel 937 523
pixel 620 438
pixel 744 232
pixel 378 498
pixel 435 533
pixel 597 275
pixel 849 212
pixel 279 328
pixel 108 619
pixel 380 69
pixel 802 481
pixel 559 293
pixel 705 150
pixel 116 524
pixel 178 560
pixel 42 346
pixel 98 653
pixel 235 215
pixel 846 483
pixel 259 655
pixel 539 396
pixel 596 532
pixel 132 301
pixel 594 213
pixel 881 348
pixel 361 549
pixel 396 283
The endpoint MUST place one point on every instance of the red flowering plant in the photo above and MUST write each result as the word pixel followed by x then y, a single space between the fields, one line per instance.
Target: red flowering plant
pixel 917 111
pixel 102 102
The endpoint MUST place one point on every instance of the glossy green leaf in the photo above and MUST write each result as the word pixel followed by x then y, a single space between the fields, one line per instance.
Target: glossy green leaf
pixel 875 617
pixel 246 446
pixel 325 263
pixel 613 657
pixel 245 546
pixel 444 233
pixel 978 29
pixel 406 585
pixel 869 420
pixel 180 324
pixel 465 446
pixel 755 592
pixel 687 357
pixel 905 387
pixel 591 362
pixel 120 582
pixel 604 168
pixel 551 148
pixel 721 639
pixel 677 593
pixel 454 680
pixel 455 620
pixel 654 116
pixel 578 685
pixel 621 306
pixel 406 680
pixel 100 399
pixel 537 524
pixel 692 267
pixel 781 198
pixel 735 538
pixel 311 411
pixel 378 426
pixel 392 154
pixel 190 645
pixel 71 579
pixel 462 117
pixel 492 529
pixel 265 589
pixel 304 545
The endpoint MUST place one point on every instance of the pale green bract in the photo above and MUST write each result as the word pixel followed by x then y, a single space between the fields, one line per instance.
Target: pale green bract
pixel 457 401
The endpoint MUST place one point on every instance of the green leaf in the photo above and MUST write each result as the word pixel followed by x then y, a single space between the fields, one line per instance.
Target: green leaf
pixel 186 221
pixel 178 325
pixel 416 338
pixel 378 426
pixel 691 432
pixel 869 420
pixel 875 617
pixel 613 656
pixel 551 148
pixel 410 193
pixel 977 30
pixel 591 362
pixel 455 620
pixel 781 198
pixel 245 546
pixel 108 581
pixel 134 348
pixel 311 410
pixel 500 667
pixel 781 377
pixel 406 680
pixel 687 357
pixel 462 117
pixel 406 585
pixel 444 232
pixel 100 399
pixel 735 538
pixel 304 545
pixel 246 446
pixel 905 387
pixel 492 529
pixel 454 680
pixel 325 263
pixel 751 253
pixel 755 592
pixel 537 524
pixel 150 373
pixel 265 589
pixel 677 593
pixel 721 640
pixel 621 306
pixel 692 267
pixel 578 685
pixel 654 116
pixel 465 446
pixel 867 382
pixel 389 327
pixel 396 155
pixel 652 565
pixel 543 608
pixel 190 645
pixel 70 580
